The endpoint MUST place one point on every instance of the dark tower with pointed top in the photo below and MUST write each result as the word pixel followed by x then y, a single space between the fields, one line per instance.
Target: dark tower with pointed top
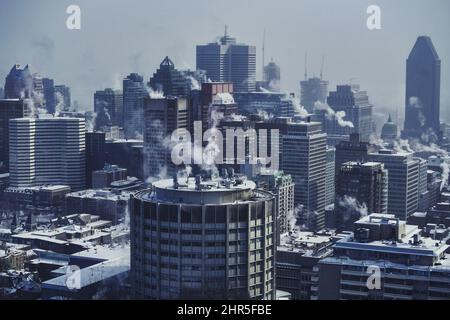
pixel 423 83
pixel 169 80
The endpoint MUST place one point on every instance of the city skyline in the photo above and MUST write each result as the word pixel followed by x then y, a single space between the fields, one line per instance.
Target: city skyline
pixel 376 62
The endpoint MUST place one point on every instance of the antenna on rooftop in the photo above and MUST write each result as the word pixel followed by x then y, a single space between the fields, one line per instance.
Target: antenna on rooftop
pixel 306 65
pixel 263 52
pixel 321 67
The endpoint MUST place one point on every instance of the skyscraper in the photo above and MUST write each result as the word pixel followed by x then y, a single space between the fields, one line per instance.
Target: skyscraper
pixel 19 83
pixel 361 189
pixel 313 90
pixel 134 91
pixel 304 158
pixel 62 96
pixel 47 150
pixel 353 150
pixel 95 154
pixel 9 109
pixel 49 95
pixel 423 85
pixel 330 176
pixel 403 181
pixel 169 80
pixel 196 239
pixel 348 99
pixel 108 105
pixel 271 77
pixel 228 61
pixel 162 117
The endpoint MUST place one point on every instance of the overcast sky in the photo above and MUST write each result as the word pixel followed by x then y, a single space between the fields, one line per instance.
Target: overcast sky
pixel 119 37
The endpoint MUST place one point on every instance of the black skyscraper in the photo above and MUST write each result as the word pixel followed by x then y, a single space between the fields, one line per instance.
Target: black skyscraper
pixel 423 82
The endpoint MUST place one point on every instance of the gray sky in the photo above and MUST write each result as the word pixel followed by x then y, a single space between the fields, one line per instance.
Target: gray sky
pixel 119 37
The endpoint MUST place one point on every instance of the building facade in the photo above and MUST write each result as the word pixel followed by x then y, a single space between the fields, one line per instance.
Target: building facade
pixel 229 61
pixel 205 240
pixel 47 150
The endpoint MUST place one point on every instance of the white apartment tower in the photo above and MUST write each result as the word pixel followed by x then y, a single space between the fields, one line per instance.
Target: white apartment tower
pixel 47 150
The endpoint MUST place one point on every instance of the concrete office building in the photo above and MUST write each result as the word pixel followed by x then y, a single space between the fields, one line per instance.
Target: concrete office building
pixel 108 205
pixel 108 105
pixel 134 92
pixel 413 263
pixel 361 189
pixel 296 258
pixel 9 109
pixel 229 61
pixel 49 95
pixel 313 90
pixel 110 173
pixel 47 150
pixel 423 85
pixel 95 154
pixel 403 181
pixel 62 95
pixel 271 78
pixel 304 158
pixel 276 104
pixel 358 110
pixel 353 150
pixel 203 239
pixel 128 154
pixel 282 186
pixel 162 117
pixel 330 176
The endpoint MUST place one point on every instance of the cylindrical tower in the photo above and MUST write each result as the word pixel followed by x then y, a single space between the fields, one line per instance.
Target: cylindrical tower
pixel 203 240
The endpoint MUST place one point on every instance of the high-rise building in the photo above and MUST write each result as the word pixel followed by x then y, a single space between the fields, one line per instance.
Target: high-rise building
pixel 162 117
pixel 282 186
pixel 352 150
pixel 95 154
pixel 49 95
pixel 313 90
pixel 228 61
pixel 9 109
pixel 126 154
pixel 19 83
pixel 134 92
pixel 271 78
pixel 215 97
pixel 403 181
pixel 330 176
pixel 304 158
pixel 108 105
pixel 423 85
pixel 361 189
pixel 198 239
pixel 47 150
pixel 411 263
pixel 63 97
pixel 169 80
pixel 358 113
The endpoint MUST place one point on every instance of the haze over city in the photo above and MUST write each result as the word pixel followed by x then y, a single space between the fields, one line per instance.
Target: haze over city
pixel 115 40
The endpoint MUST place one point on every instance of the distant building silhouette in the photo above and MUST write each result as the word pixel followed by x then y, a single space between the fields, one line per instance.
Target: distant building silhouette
pixel 134 91
pixel 228 61
pixel 423 85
